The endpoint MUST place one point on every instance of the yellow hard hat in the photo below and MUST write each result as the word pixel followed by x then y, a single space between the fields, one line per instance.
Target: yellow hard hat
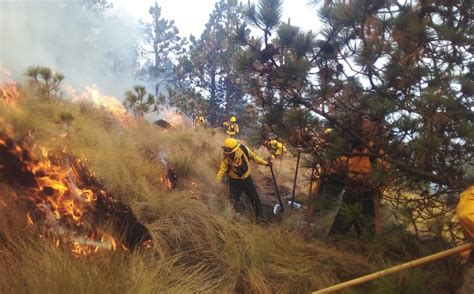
pixel 327 130
pixel 233 119
pixel 230 145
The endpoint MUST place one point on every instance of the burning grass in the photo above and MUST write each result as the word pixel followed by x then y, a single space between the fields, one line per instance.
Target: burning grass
pixel 67 202
pixel 200 245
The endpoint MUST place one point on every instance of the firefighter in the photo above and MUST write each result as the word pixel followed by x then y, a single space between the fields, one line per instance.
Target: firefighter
pixel 199 121
pixel 232 127
pixel 236 165
pixel 276 148
pixel 465 213
pixel 360 202
pixel 360 190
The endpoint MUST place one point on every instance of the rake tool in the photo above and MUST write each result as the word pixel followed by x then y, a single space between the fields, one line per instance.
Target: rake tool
pixel 292 204
pixel 278 207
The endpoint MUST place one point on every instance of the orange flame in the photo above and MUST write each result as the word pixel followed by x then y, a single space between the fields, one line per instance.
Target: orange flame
pixel 8 94
pixel 166 181
pixel 62 208
pixel 110 103
pixel 8 90
pixel 168 176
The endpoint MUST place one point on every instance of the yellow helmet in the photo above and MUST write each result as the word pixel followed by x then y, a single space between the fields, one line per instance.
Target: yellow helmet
pixel 327 130
pixel 230 145
pixel 233 119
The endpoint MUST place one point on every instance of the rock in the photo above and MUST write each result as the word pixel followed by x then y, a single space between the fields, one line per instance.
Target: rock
pixel 162 123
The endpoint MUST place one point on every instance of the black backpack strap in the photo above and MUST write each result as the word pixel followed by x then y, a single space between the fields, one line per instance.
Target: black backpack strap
pixel 245 150
pixel 243 168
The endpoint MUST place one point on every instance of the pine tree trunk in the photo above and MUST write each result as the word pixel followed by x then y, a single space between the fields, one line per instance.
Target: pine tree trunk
pixel 314 187
pixel 228 97
pixel 377 221
pixel 212 100
pixel 157 90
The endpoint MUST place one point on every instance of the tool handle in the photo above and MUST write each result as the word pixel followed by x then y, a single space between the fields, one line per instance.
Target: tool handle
pixel 294 181
pixel 276 186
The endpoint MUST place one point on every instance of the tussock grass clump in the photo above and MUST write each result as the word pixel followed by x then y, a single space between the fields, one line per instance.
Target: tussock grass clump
pixel 200 245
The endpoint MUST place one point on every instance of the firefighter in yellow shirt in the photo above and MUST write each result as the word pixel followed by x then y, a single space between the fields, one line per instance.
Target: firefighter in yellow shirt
pixel 232 127
pixel 465 213
pixel 236 165
pixel 276 148
pixel 199 121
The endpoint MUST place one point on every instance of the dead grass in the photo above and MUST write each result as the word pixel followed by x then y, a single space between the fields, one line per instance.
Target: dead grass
pixel 200 244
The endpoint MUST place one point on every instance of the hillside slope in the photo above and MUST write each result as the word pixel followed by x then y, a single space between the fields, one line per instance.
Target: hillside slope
pixel 199 244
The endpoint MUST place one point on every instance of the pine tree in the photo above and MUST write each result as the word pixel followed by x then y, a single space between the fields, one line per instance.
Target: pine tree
pixel 188 100
pixel 96 6
pixel 404 68
pixel 45 81
pixel 139 101
pixel 162 45
pixel 276 71
pixel 412 61
pixel 207 67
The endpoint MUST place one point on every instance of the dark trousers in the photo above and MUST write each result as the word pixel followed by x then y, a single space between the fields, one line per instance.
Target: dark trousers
pixel 363 222
pixel 247 186
pixel 331 187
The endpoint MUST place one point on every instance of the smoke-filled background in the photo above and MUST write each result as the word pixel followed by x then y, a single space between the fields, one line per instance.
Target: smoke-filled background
pixel 86 42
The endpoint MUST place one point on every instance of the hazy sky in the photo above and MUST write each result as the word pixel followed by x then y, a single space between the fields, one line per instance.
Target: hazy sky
pixel 190 16
pixel 50 33
pixel 63 37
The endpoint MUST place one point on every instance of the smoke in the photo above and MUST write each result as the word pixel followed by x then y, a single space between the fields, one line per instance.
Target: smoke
pixel 87 46
pixel 172 115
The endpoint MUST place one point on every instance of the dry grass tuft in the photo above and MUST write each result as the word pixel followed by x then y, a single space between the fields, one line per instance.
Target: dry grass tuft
pixel 200 244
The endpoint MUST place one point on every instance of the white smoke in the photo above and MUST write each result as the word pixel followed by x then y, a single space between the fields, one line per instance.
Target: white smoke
pixel 172 115
pixel 86 47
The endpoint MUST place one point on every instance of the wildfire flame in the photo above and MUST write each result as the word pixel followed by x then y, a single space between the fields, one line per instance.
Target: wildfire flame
pixel 61 205
pixel 8 89
pixel 169 177
pixel 110 103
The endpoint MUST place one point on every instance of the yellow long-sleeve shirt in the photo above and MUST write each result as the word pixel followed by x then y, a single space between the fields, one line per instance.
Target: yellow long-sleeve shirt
pixel 232 128
pixel 465 212
pixel 238 167
pixel 277 147
pixel 199 121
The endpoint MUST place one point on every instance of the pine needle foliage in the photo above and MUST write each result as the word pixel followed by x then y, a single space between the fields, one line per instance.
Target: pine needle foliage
pixel 45 81
pixel 139 101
